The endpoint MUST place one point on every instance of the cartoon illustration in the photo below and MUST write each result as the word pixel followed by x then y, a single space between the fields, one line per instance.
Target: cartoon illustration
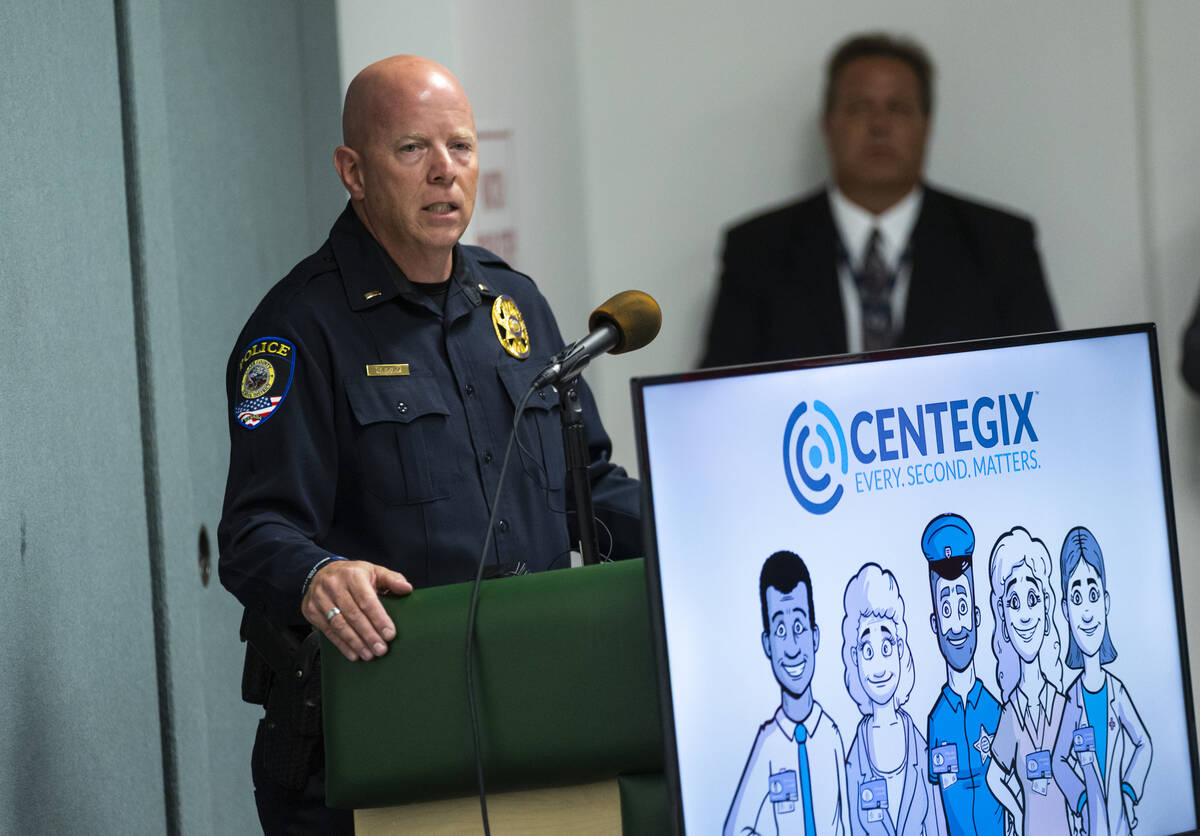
pixel 964 718
pixel 886 767
pixel 1103 752
pixel 1025 641
pixel 795 775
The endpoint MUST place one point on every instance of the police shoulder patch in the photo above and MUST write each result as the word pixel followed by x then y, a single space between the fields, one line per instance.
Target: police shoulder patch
pixel 264 378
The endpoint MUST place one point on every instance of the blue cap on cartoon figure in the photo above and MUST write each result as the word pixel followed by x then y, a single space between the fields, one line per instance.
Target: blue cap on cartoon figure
pixel 948 543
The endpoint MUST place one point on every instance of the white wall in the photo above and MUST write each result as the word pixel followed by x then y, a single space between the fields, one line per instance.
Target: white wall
pixel 704 117
pixel 643 128
pixel 1170 182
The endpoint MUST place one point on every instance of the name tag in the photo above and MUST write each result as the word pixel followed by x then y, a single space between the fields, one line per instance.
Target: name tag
pixel 387 369
pixel 945 759
pixel 873 799
pixel 1037 764
pixel 1037 770
pixel 1083 744
pixel 783 790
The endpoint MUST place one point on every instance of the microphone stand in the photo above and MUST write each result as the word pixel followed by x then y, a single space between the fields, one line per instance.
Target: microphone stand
pixel 575 447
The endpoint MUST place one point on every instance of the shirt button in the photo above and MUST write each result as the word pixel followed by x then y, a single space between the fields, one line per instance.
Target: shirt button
pixel 502 525
pixel 487 458
pixel 542 395
pixel 470 390
pixel 402 407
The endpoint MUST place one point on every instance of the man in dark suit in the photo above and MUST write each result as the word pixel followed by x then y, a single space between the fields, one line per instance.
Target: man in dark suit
pixel 878 259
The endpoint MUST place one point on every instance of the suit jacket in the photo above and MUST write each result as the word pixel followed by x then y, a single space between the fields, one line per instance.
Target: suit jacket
pixel 1127 759
pixel 975 273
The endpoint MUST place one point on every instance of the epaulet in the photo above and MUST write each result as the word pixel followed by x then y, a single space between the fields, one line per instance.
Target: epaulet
pixel 317 264
pixel 321 263
pixel 486 258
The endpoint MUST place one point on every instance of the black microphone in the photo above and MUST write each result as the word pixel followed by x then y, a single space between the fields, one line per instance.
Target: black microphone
pixel 626 322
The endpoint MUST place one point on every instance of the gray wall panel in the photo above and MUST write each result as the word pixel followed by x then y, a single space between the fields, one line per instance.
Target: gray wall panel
pixel 226 180
pixel 121 290
pixel 81 751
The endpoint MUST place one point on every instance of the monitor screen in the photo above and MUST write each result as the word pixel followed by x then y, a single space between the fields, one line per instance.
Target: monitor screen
pixel 926 591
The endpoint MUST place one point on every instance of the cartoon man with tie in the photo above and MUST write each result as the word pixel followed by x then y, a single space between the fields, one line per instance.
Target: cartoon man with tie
pixel 964 718
pixel 795 777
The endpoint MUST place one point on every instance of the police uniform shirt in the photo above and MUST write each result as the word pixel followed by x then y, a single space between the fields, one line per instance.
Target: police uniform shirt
pixel 969 804
pixel 368 421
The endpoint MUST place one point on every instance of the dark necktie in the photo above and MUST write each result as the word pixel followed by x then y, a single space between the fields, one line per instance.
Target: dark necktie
pixel 875 282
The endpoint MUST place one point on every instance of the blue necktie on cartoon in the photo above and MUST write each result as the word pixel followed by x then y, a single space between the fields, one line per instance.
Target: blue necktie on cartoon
pixel 810 825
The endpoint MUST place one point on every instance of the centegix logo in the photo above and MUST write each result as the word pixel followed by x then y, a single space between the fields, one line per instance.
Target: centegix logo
pixel 998 432
pixel 900 432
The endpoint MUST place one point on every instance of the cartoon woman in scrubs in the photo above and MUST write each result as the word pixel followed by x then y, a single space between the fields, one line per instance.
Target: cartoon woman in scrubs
pixel 886 765
pixel 1103 751
pixel 1025 641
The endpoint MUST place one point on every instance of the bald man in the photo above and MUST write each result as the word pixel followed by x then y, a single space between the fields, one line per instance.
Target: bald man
pixel 371 397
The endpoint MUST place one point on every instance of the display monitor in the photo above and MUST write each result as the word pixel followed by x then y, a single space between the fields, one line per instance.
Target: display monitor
pixel 929 590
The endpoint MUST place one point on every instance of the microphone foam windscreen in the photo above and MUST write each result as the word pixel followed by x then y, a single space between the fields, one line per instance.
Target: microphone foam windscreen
pixel 636 316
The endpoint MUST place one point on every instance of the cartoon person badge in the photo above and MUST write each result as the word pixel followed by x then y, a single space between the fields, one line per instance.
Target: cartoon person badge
pixel 794 778
pixel 1026 645
pixel 964 718
pixel 1103 752
pixel 264 378
pixel 888 756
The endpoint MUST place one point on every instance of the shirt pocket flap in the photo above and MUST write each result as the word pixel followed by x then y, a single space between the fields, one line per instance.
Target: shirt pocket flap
pixel 517 378
pixel 396 399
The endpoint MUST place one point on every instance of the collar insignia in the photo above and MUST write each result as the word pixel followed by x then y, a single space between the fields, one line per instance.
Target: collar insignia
pixel 510 327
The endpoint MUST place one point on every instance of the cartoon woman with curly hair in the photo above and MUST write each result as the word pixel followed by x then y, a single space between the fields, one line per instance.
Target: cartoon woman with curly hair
pixel 886 765
pixel 1026 644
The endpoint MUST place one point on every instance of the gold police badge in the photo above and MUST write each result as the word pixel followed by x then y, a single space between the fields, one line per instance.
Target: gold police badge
pixel 510 327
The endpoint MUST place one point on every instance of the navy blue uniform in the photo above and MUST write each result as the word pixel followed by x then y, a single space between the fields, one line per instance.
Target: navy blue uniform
pixel 401 469
pixel 398 467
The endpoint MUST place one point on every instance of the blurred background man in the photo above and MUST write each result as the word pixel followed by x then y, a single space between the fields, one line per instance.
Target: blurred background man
pixel 878 258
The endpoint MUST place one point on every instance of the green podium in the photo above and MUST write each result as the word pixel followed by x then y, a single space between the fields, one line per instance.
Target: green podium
pixel 568 707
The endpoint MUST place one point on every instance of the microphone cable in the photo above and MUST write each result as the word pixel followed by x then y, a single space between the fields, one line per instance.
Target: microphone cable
pixel 626 322
pixel 487 541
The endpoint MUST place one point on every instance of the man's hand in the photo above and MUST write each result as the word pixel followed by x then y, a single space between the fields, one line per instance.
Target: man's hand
pixel 362 628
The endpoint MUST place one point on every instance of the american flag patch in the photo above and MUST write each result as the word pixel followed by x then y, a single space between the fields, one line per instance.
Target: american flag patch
pixel 250 413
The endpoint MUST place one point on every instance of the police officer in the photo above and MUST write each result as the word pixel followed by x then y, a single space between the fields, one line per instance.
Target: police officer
pixel 964 718
pixel 371 395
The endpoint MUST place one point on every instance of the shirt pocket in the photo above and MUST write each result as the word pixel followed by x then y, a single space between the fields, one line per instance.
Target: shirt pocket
pixel 402 442
pixel 540 432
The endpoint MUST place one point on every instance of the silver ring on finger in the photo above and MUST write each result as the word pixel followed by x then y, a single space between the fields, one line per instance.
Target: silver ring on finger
pixel 332 612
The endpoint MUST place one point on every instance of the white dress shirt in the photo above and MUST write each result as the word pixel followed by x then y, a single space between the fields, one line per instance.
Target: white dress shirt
pixel 752 812
pixel 854 224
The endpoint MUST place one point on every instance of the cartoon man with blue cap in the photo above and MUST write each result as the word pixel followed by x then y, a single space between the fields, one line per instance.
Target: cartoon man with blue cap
pixel 964 718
